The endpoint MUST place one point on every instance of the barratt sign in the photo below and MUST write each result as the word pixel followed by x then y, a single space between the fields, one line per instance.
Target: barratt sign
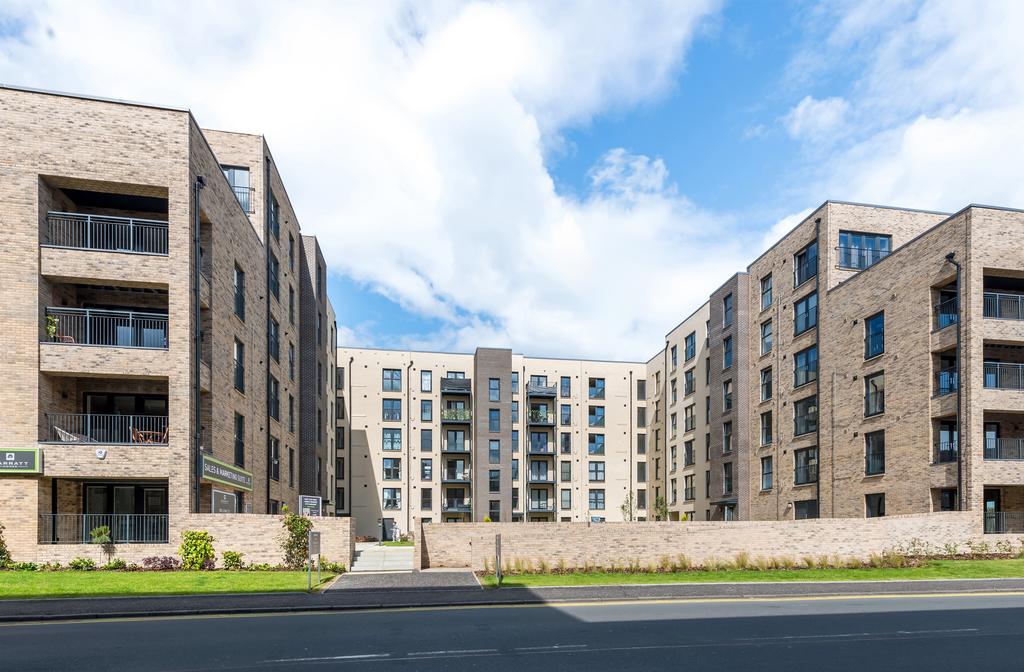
pixel 225 474
pixel 21 461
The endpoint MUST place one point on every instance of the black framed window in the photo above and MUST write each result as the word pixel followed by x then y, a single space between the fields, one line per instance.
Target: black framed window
pixel 806 466
pixel 805 416
pixel 805 314
pixel 766 291
pixel 874 505
pixel 874 394
pixel 874 335
pixel 766 473
pixel 239 440
pixel 392 410
pixel 494 389
pixel 805 264
pixel 874 453
pixel 391 380
pixel 805 366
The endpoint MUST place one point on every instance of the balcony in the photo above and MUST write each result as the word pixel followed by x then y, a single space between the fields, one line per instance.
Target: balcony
pixel 945 452
pixel 114 328
pixel 859 258
pixel 1001 306
pixel 545 391
pixel 455 476
pixel 246 198
pixel 455 447
pixel 1004 449
pixel 538 448
pixel 461 386
pixel 1004 376
pixel 106 233
pixel 947 312
pixel 1004 522
pixel 542 418
pixel 456 415
pixel 541 506
pixel 946 381
pixel 127 430
pixel 75 528
pixel 541 477
pixel 456 506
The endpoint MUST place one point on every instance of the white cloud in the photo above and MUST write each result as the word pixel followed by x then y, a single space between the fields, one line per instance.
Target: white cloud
pixel 814 119
pixel 782 227
pixel 413 137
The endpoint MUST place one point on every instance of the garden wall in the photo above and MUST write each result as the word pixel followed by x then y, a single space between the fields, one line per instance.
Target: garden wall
pixel 622 544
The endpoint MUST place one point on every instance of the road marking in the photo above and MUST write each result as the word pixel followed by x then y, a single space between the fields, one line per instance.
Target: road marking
pixel 555 647
pixel 364 656
pixel 539 605
pixel 855 634
pixel 450 652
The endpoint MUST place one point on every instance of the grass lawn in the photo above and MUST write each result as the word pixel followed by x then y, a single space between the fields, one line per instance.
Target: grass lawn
pixel 931 569
pixel 16 584
pixel 397 543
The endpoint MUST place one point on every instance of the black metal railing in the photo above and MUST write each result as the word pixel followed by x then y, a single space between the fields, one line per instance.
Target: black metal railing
pixel 456 386
pixel 123 528
pixel 806 320
pixel 542 448
pixel 455 475
pixel 103 232
pixel 860 258
pixel 946 313
pixel 874 403
pixel 118 328
pixel 456 506
pixel 1004 522
pixel 1004 449
pixel 540 417
pixel 456 415
pixel 946 451
pixel 1001 376
pixel 874 463
pixel 806 269
pixel 246 198
pixel 541 506
pixel 455 447
pixel 541 477
pixel 106 428
pixel 1003 306
pixel 805 474
pixel 946 381
pixel 536 390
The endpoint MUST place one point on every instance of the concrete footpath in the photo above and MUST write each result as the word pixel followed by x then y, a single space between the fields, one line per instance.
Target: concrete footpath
pixel 381 597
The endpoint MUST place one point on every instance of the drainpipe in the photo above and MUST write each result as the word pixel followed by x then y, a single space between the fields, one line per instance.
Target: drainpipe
pixel 408 443
pixel 266 332
pixel 197 339
pixel 951 258
pixel 817 343
pixel 664 401
pixel 631 438
pixel 348 446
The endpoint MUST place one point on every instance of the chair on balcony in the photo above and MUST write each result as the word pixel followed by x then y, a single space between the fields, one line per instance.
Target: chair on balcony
pixel 149 436
pixel 71 437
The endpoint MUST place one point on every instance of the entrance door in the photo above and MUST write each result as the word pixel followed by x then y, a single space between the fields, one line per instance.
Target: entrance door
pixel 154 524
pixel 123 524
pixel 993 514
pixel 992 441
pixel 389 529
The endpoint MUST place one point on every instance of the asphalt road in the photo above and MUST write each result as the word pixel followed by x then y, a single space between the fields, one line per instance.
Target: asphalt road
pixel 844 633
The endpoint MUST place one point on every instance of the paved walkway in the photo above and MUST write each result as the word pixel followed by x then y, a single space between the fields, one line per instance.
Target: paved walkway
pixel 371 557
pixel 441 579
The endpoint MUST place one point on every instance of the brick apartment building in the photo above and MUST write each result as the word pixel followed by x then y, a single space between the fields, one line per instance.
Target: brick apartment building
pixel 167 336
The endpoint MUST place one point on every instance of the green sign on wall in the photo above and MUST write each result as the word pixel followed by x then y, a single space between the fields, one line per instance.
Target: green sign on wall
pixel 226 474
pixel 21 461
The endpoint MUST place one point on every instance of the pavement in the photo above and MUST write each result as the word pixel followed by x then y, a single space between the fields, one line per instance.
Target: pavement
pixel 371 557
pixel 406 580
pixel 880 633
pixel 396 591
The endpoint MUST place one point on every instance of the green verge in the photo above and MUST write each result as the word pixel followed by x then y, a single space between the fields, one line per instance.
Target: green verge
pixel 22 584
pixel 929 569
pixel 397 543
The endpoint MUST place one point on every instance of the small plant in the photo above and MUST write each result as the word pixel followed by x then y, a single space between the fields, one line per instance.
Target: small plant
pixel 49 567
pixel 487 519
pixel 543 567
pixel 161 563
pixel 23 566
pixel 561 565
pixel 1004 546
pixel 232 560
pixel 295 540
pixel 487 565
pixel 742 560
pixel 82 564
pixel 196 550
pixel 951 548
pixel 627 507
pixel 116 565
pixel 787 562
pixel 100 535
pixel 664 563
pixel 5 555
pixel 332 567
pixel 262 567
pixel 660 509
pixel 51 326
pixel 810 562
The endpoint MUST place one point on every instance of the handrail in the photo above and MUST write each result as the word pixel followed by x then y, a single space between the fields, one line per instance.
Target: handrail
pixel 106 428
pixel 117 328
pixel 106 232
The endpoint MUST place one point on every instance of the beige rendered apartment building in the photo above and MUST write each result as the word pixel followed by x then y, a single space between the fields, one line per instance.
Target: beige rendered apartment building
pixel 153 280
pixel 444 437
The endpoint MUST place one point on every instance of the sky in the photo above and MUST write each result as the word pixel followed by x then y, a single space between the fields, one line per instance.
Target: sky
pixel 566 179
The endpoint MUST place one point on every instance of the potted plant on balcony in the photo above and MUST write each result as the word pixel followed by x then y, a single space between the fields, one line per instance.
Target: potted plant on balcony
pixel 51 327
pixel 101 535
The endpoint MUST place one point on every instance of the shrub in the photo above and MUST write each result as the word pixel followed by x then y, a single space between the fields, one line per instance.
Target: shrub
pixel 23 566
pixel 116 565
pixel 132 567
pixel 332 567
pixel 295 540
pixel 232 560
pixel 683 562
pixel 487 565
pixel 742 560
pixel 82 564
pixel 1004 546
pixel 100 535
pixel 487 519
pixel 262 567
pixel 5 555
pixel 161 563
pixel 196 550
pixel 49 567
pixel 664 563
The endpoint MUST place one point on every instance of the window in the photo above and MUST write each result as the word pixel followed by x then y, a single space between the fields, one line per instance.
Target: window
pixel 766 337
pixel 456 440
pixel 493 389
pixel 392 439
pixel 457 375
pixel 641 390
pixel 595 389
pixel 674 356
pixel 291 305
pixel 273 398
pixel 515 500
pixel 727 310
pixel 707 446
pixel 766 291
pixel 727 437
pixel 874 394
pixel 515 440
pixel 494 451
pixel 291 252
pixel 565 415
pixel 874 335
pixel 727 352
pixel 766 384
pixel 641 472
pixel 707 371
pixel 494 420
pixel 766 473
pixel 874 505
pixel 426 381
pixel 595 444
pixel 515 412
pixel 566 497
pixel 427 498
pixel 274 217
pixel 426 410
pixel 595 416
pixel 688 384
pixel 689 493
pixel 274 339
pixel 291 413
pixel 805 313
pixel 274 448
pixel 641 444
pixel 392 468
pixel 641 416
pixel 515 471
pixel 805 416
pixel 806 463
pixel 861 250
pixel 566 442
pixel 727 395
pixel 539 381
pixel 239 440
pixel 426 440
pixel 672 491
pixel 690 346
pixel 291 361
pixel 688 456
pixel 596 500
pixel 805 509
pixel 392 380
pixel 805 366
pixel 392 410
pixel 673 462
pixel 494 510
pixel 595 472
pixel 766 428
pixel 672 391
pixel 538 442
pixel 392 498
pixel 239 293
pixel 727 478
pixel 641 499
pixel 707 409
pixel 805 264
pixel 874 453
pixel 689 421
pixel 565 386
pixel 239 358
pixel 947 499
pixel 273 275
pixel 494 480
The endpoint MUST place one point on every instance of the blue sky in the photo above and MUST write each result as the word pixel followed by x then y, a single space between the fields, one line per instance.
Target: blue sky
pixel 568 178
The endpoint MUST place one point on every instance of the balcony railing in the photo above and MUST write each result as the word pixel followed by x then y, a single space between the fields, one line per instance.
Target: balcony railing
pixel 805 474
pixel 874 464
pixel 860 258
pixel 456 506
pixel 541 477
pixel 110 429
pixel 874 403
pixel 76 528
pixel 946 381
pixel 1004 522
pixel 540 417
pixel 946 313
pixel 117 328
pixel 537 448
pixel 540 506
pixel 246 198
pixel 455 447
pixel 456 415
pixel 806 269
pixel 1003 306
pixel 595 421
pixel 450 475
pixel 805 424
pixel 456 386
pixel 535 390
pixel 946 451
pixel 1004 449
pixel 1001 376
pixel 806 320
pixel 110 234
